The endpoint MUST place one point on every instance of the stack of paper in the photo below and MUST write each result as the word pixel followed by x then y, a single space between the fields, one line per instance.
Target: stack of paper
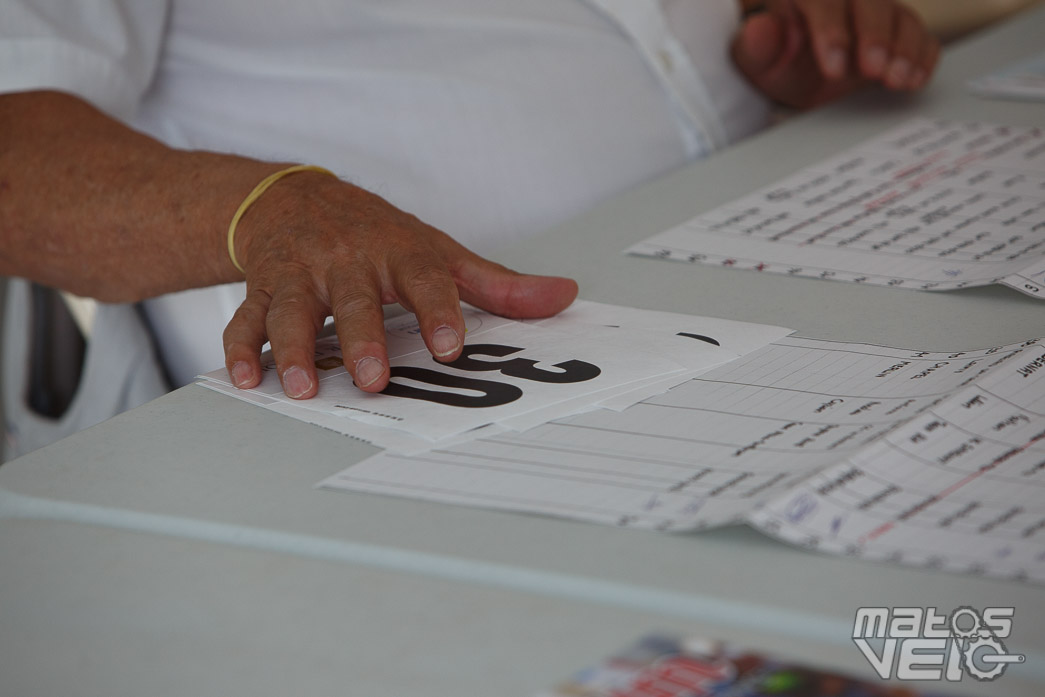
pixel 512 376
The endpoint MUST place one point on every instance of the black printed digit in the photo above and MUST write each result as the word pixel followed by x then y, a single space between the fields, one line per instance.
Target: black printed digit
pixel 494 394
pixel 699 337
pixel 524 368
pixel 466 362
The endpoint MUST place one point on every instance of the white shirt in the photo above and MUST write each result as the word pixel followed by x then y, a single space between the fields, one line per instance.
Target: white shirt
pixel 490 119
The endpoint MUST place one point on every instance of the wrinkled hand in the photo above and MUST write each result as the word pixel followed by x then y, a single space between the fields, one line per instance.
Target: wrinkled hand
pixel 314 246
pixel 803 53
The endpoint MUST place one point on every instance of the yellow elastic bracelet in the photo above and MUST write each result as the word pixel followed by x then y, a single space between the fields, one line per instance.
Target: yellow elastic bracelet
pixel 256 194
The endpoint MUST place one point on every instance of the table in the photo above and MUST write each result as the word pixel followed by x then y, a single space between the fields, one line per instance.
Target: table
pixel 181 548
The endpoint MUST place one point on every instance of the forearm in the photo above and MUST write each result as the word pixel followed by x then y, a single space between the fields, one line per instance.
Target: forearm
pixel 91 206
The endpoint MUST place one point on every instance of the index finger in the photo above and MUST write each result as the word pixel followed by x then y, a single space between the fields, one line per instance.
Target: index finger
pixel 873 23
pixel 829 30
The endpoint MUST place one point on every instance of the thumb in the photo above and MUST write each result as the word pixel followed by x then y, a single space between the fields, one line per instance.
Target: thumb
pixel 504 292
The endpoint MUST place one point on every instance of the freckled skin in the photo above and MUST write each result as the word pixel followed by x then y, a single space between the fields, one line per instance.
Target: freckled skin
pixel 112 214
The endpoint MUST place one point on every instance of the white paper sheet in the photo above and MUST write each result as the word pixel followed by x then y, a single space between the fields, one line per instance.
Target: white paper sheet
pixel 962 486
pixel 747 440
pixel 487 394
pixel 1024 79
pixel 378 436
pixel 619 352
pixel 932 205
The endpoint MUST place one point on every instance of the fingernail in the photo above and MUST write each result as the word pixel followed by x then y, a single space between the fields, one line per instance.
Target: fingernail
pixel 875 60
pixel 445 341
pixel 368 370
pixel 834 63
pixel 241 373
pixel 899 69
pixel 296 382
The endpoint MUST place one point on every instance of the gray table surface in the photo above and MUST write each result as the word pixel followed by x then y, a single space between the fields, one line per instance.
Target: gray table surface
pixel 182 549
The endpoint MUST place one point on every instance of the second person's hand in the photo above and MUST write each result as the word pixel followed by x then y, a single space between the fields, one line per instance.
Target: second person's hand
pixel 803 53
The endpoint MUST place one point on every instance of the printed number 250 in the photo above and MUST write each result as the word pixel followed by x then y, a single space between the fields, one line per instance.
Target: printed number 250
pixel 493 393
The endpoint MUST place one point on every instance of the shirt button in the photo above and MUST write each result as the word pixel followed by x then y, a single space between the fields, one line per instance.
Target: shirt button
pixel 666 60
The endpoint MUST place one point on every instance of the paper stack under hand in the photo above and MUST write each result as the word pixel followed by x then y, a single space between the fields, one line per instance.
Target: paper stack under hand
pixel 512 375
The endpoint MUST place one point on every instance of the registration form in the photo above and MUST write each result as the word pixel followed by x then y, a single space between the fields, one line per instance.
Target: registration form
pixel 931 205
pixel 961 486
pixel 927 458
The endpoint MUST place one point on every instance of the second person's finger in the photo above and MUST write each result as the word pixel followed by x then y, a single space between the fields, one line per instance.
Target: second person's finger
pixel 909 43
pixel 873 24
pixel 829 32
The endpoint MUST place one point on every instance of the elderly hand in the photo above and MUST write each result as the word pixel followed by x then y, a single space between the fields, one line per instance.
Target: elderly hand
pixel 106 212
pixel 803 53
pixel 313 246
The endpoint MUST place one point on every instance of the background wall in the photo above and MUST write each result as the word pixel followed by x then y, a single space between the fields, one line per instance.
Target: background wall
pixel 952 19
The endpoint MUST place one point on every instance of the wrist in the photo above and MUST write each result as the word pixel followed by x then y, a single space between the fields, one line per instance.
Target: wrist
pixel 277 205
pixel 256 193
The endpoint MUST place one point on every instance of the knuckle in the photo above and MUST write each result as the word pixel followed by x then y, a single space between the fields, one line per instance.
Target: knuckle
pixel 293 309
pixel 360 338
pixel 355 348
pixel 295 280
pixel 256 298
pixel 354 304
pixel 426 276
pixel 250 314
pixel 232 337
pixel 247 321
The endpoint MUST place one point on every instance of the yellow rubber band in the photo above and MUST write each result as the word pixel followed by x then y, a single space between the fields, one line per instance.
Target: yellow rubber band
pixel 254 195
